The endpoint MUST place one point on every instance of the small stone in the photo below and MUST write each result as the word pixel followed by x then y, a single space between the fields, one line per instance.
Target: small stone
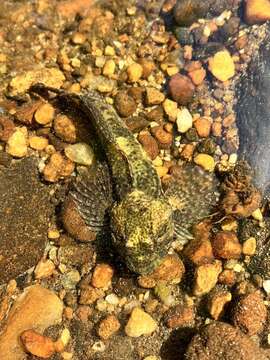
pixel 199 251
pixel 108 327
pixel 180 316
pixel 163 137
pixel 37 345
pixel 206 277
pixel 205 161
pixel 109 51
pixel 52 77
pixel 57 167
pixel 17 143
pixel 227 277
pixel 7 128
pixel 134 72
pixel 162 171
pixel 80 153
pixel 38 142
pixel 184 120
pixel 170 270
pixel 64 128
pixel 44 269
pixel 217 301
pixel 109 68
pixel 44 114
pixel 186 12
pixel 187 152
pixel 222 66
pixel 124 104
pixel 266 286
pixel 197 76
pixel 37 308
pixel 256 11
pixel 154 96
pixel 170 108
pixel 149 144
pixel 90 295
pixel 249 246
pixel 148 67
pixel 203 126
pixel 257 214
pixel 70 279
pixel 140 323
pixel 181 89
pixel 250 313
pixel 102 276
pixel 226 245
pixel 78 38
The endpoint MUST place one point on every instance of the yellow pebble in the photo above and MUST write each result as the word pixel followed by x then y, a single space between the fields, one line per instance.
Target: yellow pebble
pixel 134 72
pixel 249 246
pixel 38 142
pixel 222 66
pixel 205 161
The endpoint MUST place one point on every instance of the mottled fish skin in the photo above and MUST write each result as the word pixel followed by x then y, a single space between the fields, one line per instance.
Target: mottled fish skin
pixel 253 116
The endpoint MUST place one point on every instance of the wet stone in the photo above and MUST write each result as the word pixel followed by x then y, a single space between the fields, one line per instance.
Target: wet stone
pixel 24 230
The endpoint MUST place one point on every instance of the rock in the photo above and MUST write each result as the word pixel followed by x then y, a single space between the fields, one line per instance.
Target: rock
pixel 226 245
pixel 227 277
pixel 17 143
pixel 140 323
pixel 170 108
pixel 70 8
pixel 181 89
pixel 184 120
pixel 24 230
pixel 7 128
pixel 197 76
pixel 38 345
pixel 80 153
pixel 124 104
pixel 134 72
pixel 44 269
pixel 76 255
pixel 206 277
pixel 163 137
pixel 180 316
pixel 250 313
pixel 102 276
pixel 44 114
pixel 108 327
pixel 57 168
pixel 25 113
pixel 64 128
pixel 249 246
pixel 109 68
pixel 203 126
pixel 219 340
pixel 186 12
pixel 37 308
pixel 137 123
pixel 48 76
pixel 149 144
pixel 148 67
pixel 217 302
pixel 78 38
pixel 199 251
pixel 222 66
pixel 206 161
pixel 154 96
pixel 90 295
pixel 38 142
pixel 256 11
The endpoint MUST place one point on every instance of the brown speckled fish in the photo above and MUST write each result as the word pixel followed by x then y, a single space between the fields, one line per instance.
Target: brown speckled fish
pixel 143 219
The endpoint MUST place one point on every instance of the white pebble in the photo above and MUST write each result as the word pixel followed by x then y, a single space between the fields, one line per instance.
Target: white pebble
pixel 266 286
pixel 80 153
pixel 184 120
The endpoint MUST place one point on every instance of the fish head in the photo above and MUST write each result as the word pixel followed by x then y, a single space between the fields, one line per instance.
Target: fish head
pixel 142 230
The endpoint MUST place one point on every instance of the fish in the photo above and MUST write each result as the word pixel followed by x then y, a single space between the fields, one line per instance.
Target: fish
pixel 253 117
pixel 144 218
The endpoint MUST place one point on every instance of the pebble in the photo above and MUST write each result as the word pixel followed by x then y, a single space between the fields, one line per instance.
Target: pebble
pixel 199 251
pixel 180 316
pixel 134 72
pixel 226 245
pixel 203 126
pixel 89 295
pixel 181 89
pixel 64 128
pixel 37 345
pixel 57 167
pixel 250 313
pixel 206 277
pixel 140 323
pixel 184 120
pixel 108 327
pixel 217 302
pixel 256 11
pixel 78 38
pixel 186 12
pixel 37 308
pixel 44 269
pixel 71 279
pixel 266 286
pixel 18 142
pixel 170 108
pixel 52 77
pixel 154 96
pixel 148 67
pixel 221 65
pixel 7 128
pixel 38 142
pixel 102 276
pixel 197 76
pixel 109 68
pixel 80 153
pixel 249 246
pixel 44 114
pixel 206 161
pixel 149 144
pixel 163 137
pixel 124 104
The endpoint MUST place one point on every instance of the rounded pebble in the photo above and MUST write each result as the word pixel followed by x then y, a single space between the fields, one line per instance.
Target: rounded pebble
pixel 80 153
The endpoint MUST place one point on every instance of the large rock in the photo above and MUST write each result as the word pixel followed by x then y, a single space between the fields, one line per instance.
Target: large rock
pixel 36 308
pixel 24 213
